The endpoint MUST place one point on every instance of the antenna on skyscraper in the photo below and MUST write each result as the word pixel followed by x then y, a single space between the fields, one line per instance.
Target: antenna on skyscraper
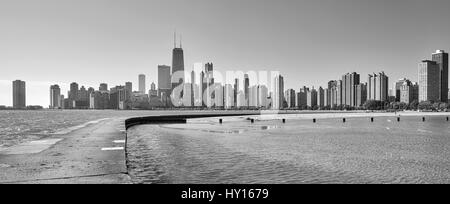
pixel 181 40
pixel 175 39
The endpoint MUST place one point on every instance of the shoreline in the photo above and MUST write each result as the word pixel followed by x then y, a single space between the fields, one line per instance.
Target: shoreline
pixel 92 154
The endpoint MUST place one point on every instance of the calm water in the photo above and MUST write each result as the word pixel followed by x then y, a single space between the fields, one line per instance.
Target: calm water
pixel 329 151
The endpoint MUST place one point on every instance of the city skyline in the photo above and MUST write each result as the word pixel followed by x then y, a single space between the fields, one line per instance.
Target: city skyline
pixel 291 48
pixel 353 92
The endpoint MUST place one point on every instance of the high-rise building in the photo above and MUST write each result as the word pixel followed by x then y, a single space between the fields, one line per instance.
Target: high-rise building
pixel 187 95
pixel 164 84
pixel 103 87
pixel 83 99
pixel 19 94
pixel 378 87
pixel 129 89
pixel 177 66
pixel 409 92
pixel 301 99
pixel 311 98
pixel 326 97
pixel 209 73
pixel 246 88
pixel 360 94
pixel 229 96
pixel 429 81
pixel 236 91
pixel 218 95
pixel 73 92
pixel 201 89
pixel 397 86
pixel 332 89
pixel 290 98
pixel 336 93
pixel 321 98
pixel 142 84
pixel 55 97
pixel 253 96
pixel 262 96
pixel 153 92
pixel 117 98
pixel 349 81
pixel 278 93
pixel 99 100
pixel 441 58
pixel 164 78
pixel 240 100
pixel 62 99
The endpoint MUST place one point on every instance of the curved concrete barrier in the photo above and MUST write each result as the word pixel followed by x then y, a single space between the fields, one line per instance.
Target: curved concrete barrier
pixel 167 119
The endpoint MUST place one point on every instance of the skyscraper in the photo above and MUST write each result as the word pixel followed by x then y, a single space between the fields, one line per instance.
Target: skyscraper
pixel 253 96
pixel 441 58
pixel 321 97
pixel 290 98
pixel 311 98
pixel 429 81
pixel 378 87
pixel 262 96
pixel 278 93
pixel 164 84
pixel 229 96
pixel 55 97
pixel 73 92
pixel 103 87
pixel 209 73
pixel 397 85
pixel 152 92
pixel 236 91
pixel 301 98
pixel 164 77
pixel 360 94
pixel 349 81
pixel 142 84
pixel 177 66
pixel 246 88
pixel 129 90
pixel 409 92
pixel 19 94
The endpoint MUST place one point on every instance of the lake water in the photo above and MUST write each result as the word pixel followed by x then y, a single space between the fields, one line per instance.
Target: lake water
pixel 298 151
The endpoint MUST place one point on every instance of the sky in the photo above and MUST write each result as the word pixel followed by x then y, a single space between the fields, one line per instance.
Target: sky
pixel 308 41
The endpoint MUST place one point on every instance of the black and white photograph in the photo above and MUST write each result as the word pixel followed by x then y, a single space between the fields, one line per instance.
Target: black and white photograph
pixel 224 92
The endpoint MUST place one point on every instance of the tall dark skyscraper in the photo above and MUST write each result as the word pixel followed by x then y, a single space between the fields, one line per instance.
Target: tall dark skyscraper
pixel 164 77
pixel 55 97
pixel 142 84
pixel 129 90
pixel 429 83
pixel 177 65
pixel 236 91
pixel 441 58
pixel 349 81
pixel 103 87
pixel 73 92
pixel 246 86
pixel 164 84
pixel 19 94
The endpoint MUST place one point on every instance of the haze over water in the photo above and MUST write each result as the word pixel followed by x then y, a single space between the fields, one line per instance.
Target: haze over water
pixel 299 151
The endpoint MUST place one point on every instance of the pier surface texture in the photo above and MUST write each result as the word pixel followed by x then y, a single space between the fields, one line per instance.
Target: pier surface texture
pixel 94 154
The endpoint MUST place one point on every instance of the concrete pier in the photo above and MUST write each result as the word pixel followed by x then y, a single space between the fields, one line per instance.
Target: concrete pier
pixel 94 154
